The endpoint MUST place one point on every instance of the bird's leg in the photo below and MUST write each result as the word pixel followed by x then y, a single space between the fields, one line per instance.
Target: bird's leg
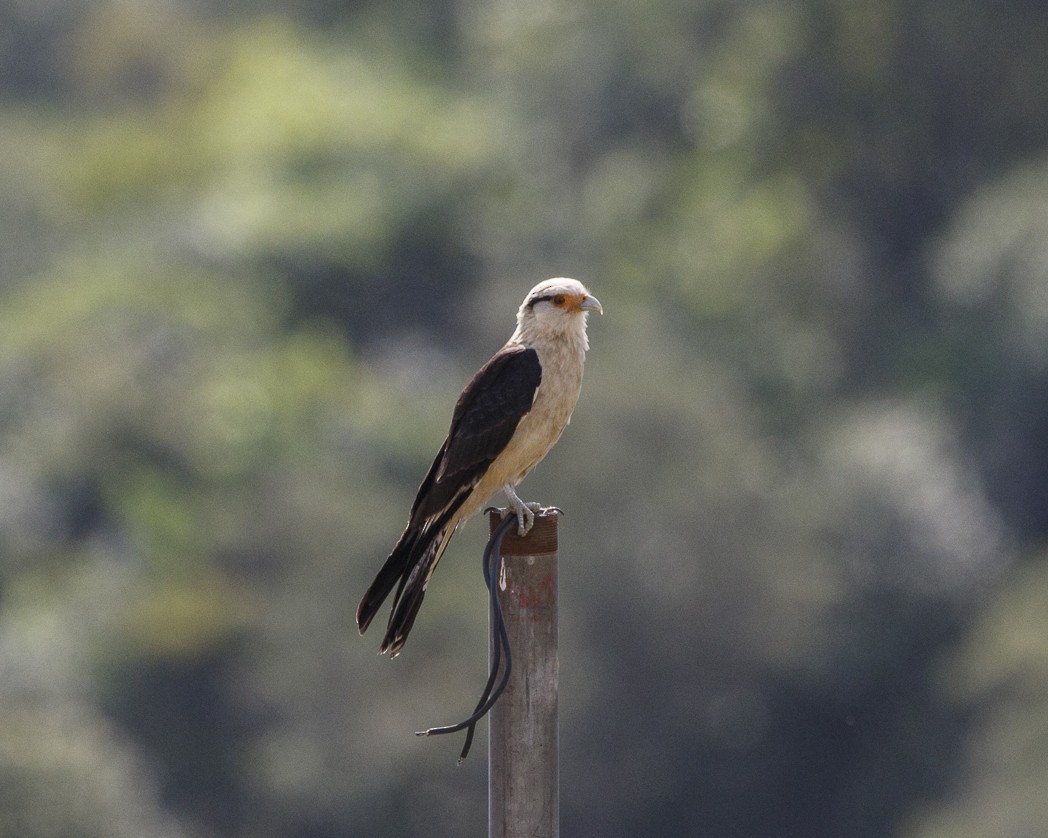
pixel 525 512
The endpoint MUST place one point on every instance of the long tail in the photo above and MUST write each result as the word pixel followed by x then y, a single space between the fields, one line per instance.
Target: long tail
pixel 409 567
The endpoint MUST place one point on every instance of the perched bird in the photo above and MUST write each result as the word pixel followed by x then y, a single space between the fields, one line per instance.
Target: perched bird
pixel 506 420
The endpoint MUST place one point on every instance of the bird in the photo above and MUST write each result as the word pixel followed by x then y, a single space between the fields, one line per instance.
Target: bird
pixel 506 420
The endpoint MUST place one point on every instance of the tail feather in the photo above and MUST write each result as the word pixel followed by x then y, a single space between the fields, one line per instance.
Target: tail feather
pixel 394 570
pixel 409 568
pixel 411 592
pixel 411 564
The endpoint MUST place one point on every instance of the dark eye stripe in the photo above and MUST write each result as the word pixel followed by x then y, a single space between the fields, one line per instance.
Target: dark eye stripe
pixel 532 303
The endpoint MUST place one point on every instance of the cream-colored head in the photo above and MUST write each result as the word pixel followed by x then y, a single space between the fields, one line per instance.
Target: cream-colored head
pixel 556 308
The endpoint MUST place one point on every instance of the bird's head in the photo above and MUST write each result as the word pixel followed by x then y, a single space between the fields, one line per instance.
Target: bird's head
pixel 559 299
pixel 556 309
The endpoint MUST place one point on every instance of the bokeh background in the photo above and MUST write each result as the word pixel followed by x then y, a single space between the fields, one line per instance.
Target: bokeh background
pixel 249 254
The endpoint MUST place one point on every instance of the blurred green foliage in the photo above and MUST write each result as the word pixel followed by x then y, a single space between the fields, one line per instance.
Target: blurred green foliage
pixel 249 253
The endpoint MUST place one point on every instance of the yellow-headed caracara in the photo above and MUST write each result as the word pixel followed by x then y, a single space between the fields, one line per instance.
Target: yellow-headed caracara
pixel 506 420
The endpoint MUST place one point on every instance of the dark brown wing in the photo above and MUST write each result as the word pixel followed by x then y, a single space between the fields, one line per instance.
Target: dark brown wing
pixel 486 415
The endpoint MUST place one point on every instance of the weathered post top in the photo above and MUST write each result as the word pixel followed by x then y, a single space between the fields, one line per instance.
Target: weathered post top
pixel 540 541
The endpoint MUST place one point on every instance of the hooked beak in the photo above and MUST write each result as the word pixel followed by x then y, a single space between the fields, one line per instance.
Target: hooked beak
pixel 591 303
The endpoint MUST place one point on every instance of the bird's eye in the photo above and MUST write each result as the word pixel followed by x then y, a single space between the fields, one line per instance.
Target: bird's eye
pixel 558 300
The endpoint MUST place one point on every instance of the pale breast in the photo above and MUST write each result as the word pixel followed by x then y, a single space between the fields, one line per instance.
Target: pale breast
pixel 537 432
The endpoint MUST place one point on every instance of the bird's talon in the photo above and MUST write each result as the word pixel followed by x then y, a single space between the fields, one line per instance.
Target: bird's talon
pixel 525 520
pixel 525 513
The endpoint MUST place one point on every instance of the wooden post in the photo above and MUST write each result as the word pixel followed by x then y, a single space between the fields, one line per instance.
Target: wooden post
pixel 523 771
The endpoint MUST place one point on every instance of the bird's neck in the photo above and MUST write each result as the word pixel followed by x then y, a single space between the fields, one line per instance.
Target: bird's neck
pixel 562 353
pixel 571 341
